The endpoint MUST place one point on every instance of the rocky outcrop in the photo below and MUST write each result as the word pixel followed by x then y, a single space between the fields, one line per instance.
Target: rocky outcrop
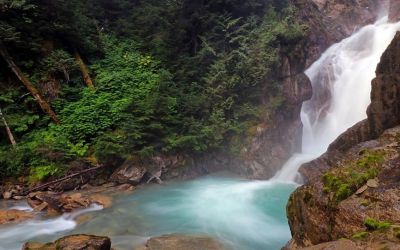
pixel 72 242
pixel 183 242
pixel 362 184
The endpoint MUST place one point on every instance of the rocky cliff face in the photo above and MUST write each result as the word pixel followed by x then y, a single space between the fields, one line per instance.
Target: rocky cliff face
pixel 358 177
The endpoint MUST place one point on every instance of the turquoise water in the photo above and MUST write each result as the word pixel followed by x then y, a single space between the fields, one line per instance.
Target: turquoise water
pixel 242 214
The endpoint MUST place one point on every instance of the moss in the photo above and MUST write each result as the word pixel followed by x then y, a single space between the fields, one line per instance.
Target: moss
pixel 371 224
pixel 326 190
pixel 397 234
pixel 362 151
pixel 384 226
pixel 361 235
pixel 343 192
pixel 366 203
pixel 344 181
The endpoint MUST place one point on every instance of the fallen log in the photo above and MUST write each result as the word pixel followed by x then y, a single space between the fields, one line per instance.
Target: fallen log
pixel 61 179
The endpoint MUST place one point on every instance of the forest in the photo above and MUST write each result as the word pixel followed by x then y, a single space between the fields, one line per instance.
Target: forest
pixel 98 81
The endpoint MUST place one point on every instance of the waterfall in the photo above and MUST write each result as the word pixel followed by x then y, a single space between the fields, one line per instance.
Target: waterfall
pixel 341 82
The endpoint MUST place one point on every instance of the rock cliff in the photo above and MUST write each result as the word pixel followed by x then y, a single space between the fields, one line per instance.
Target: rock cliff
pixel 358 177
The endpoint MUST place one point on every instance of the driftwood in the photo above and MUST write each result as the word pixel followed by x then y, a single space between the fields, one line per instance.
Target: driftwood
pixel 62 179
pixel 156 175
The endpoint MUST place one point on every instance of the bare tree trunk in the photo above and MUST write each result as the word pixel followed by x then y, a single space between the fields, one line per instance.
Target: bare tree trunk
pixel 43 104
pixel 85 73
pixel 10 135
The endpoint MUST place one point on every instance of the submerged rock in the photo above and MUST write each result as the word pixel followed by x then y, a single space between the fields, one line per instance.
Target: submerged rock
pixel 13 216
pixel 73 242
pixel 183 242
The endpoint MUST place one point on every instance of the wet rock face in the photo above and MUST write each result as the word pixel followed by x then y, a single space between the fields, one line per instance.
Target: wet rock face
pixel 183 242
pixel 332 21
pixel 73 242
pixel 394 11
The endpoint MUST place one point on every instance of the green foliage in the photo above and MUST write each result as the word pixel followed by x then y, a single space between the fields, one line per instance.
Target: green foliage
pixel 187 76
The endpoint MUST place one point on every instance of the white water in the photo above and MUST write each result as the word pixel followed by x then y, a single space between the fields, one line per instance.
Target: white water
pixel 240 213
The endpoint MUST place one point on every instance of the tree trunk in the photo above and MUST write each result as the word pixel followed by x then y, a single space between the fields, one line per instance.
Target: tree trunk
pixel 43 104
pixel 85 73
pixel 10 135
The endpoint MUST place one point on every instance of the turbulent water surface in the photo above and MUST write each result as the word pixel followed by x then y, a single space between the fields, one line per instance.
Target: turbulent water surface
pixel 242 214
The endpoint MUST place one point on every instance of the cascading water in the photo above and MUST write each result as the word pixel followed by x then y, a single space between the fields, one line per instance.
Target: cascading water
pixel 341 81
pixel 240 213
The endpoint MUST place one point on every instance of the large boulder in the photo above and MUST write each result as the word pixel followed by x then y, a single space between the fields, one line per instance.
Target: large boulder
pixel 183 242
pixel 131 172
pixel 362 183
pixel 72 242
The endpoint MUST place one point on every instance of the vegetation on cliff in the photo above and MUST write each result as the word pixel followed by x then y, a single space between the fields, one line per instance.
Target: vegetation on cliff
pixel 97 81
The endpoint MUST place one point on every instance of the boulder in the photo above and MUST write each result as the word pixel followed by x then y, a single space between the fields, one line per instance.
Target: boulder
pixel 363 183
pixel 183 242
pixel 131 172
pixel 103 200
pixel 32 245
pixel 7 195
pixel 13 216
pixel 73 242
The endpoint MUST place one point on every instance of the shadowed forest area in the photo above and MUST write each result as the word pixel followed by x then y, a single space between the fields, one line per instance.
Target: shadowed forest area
pixel 87 82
